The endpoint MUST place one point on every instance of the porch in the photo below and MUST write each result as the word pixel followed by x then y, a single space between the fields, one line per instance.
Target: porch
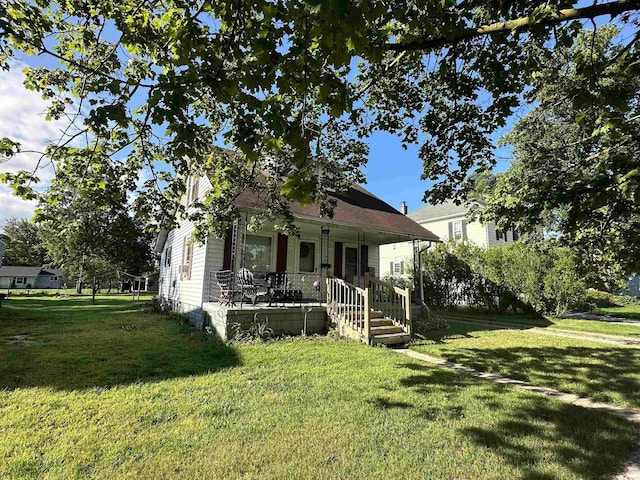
pixel 296 303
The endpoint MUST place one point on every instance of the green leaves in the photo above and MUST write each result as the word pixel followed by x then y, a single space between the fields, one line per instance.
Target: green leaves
pixel 151 89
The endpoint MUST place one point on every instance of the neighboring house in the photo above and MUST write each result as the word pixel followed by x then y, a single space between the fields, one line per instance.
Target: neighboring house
pixel 633 286
pixel 346 246
pixel 448 221
pixel 3 246
pixel 30 277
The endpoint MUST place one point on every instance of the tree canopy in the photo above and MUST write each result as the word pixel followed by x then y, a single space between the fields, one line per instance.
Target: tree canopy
pixel 24 246
pixel 93 235
pixel 579 163
pixel 295 86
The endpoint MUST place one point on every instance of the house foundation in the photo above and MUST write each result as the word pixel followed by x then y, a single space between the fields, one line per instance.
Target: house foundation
pixel 282 320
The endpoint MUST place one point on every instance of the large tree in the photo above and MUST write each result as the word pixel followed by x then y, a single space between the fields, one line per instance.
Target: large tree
pixel 579 163
pixel 93 235
pixel 24 246
pixel 293 85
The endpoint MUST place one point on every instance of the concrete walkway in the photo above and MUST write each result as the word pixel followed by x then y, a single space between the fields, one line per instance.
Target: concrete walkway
pixel 632 470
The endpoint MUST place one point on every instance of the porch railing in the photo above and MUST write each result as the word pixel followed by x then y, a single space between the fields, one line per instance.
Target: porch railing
pixel 349 305
pixel 393 302
pixel 272 287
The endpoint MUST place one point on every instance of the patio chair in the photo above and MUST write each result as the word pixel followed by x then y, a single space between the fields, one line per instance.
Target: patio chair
pixel 224 279
pixel 248 287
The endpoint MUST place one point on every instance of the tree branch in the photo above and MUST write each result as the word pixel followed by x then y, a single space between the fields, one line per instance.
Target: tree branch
pixel 565 15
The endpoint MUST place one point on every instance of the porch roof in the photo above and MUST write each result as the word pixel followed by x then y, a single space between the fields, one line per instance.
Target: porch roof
pixel 355 208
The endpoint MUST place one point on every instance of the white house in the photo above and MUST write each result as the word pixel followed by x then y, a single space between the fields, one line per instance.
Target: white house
pixel 448 221
pixel 345 247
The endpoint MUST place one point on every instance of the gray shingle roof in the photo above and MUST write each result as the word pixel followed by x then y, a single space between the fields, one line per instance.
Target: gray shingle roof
pixel 17 271
pixel 20 271
pixel 441 210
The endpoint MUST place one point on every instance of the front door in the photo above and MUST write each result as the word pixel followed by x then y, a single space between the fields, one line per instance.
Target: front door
pixel 351 264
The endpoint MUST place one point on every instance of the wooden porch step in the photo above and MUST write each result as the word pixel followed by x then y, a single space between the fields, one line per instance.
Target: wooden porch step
pixel 381 322
pixel 376 314
pixel 390 339
pixel 385 329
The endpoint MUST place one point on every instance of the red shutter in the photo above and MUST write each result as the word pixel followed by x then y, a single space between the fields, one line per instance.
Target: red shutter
pixel 226 258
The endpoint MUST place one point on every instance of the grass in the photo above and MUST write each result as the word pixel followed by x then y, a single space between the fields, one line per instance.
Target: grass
pixel 106 391
pixel 520 321
pixel 629 311
pixel 608 328
pixel 600 371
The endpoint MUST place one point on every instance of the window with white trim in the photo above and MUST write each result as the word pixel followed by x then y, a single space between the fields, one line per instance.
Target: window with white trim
pixel 397 267
pixel 457 230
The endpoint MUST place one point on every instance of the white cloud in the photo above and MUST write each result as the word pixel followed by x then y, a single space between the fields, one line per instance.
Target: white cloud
pixel 22 119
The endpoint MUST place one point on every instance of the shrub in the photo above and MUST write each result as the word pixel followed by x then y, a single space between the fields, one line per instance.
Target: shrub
pixel 535 277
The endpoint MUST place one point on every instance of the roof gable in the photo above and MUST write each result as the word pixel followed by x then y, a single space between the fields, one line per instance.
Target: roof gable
pixel 446 209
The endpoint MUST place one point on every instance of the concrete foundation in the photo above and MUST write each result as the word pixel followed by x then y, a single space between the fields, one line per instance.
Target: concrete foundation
pixel 281 320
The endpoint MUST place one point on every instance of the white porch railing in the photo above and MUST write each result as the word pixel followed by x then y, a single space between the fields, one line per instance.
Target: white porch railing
pixel 393 302
pixel 348 305
pixel 351 306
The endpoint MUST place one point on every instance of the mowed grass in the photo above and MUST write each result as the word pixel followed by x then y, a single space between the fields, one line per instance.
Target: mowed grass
pixel 106 391
pixel 629 311
pixel 592 326
pixel 521 321
pixel 599 371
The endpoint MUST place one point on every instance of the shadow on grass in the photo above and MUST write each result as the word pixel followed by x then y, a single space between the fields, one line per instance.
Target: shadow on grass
pixel 70 349
pixel 598 373
pixel 459 330
pixel 528 431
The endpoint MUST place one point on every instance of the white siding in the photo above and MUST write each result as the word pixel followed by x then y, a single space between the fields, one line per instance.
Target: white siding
pixel 185 293
pixel 395 252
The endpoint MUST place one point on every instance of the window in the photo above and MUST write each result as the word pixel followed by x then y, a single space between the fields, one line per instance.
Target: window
pixel 457 230
pixel 397 267
pixel 258 253
pixel 194 189
pixel 514 232
pixel 187 257
pixel 498 234
pixel 53 279
pixel 20 280
pixel 307 257
pixel 167 257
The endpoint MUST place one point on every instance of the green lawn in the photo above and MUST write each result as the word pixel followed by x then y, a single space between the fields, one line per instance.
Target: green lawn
pixel 609 328
pixel 106 391
pixel 520 321
pixel 464 314
pixel 600 371
pixel 630 311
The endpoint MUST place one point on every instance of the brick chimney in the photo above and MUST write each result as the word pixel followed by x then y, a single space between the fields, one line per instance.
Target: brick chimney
pixel 403 208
